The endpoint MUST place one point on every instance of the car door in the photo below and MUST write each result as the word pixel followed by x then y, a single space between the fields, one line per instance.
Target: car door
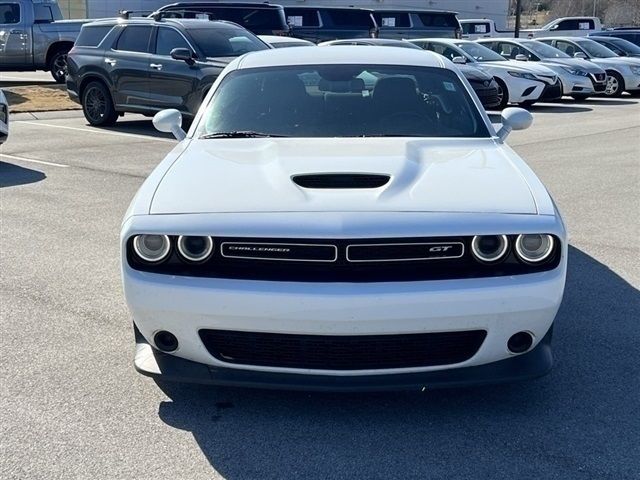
pixel 15 38
pixel 127 64
pixel 171 82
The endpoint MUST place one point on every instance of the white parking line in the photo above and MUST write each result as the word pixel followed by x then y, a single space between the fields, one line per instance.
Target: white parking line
pixel 96 130
pixel 32 160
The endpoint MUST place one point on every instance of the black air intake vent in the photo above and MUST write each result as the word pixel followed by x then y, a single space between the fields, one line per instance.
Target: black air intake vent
pixel 340 180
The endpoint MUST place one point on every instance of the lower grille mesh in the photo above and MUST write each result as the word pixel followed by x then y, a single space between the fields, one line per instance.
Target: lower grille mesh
pixel 336 352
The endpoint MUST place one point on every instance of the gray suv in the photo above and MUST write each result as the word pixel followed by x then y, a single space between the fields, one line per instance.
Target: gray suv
pixel 146 65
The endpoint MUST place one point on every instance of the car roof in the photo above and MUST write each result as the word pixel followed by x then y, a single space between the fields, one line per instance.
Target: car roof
pixel 264 5
pixel 374 55
pixel 326 7
pixel 184 22
pixel 452 41
pixel 387 42
pixel 412 10
pixel 283 39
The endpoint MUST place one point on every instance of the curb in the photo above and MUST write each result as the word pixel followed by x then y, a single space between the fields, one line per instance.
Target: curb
pixel 46 115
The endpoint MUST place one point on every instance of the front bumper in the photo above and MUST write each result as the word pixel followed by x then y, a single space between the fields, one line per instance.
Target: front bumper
pixel 551 92
pixel 164 367
pixel 631 82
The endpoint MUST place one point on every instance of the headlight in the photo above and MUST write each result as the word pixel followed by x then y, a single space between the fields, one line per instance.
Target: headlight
pixel 529 76
pixel 575 71
pixel 489 248
pixel 534 248
pixel 152 248
pixel 635 70
pixel 195 249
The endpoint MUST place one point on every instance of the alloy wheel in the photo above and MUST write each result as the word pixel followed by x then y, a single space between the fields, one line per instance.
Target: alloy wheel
pixel 612 85
pixel 96 104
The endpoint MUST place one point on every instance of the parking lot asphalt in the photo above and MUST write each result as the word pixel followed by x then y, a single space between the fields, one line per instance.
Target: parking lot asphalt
pixel 72 405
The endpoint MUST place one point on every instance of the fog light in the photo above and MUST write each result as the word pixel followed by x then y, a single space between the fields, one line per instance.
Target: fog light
pixel 534 248
pixel 165 341
pixel 152 248
pixel 489 248
pixel 195 249
pixel 520 342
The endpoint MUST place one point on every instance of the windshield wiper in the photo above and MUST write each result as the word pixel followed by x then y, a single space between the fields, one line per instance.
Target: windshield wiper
pixel 239 134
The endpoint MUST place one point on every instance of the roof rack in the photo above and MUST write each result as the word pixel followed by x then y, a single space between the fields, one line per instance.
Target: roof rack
pixel 126 14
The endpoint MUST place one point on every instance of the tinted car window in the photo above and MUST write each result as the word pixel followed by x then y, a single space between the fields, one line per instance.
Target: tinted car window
pixel 302 17
pixel 392 19
pixel 92 36
pixel 43 13
pixel 135 38
pixel 226 41
pixel 168 39
pixel 472 28
pixel 439 20
pixel 9 13
pixel 344 101
pixel 249 18
pixel 350 18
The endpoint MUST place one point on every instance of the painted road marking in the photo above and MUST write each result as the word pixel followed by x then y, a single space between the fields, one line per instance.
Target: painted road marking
pixel 96 130
pixel 33 160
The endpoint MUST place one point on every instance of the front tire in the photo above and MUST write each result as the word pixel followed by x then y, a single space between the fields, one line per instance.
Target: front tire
pixel 58 66
pixel 97 105
pixel 503 94
pixel 615 85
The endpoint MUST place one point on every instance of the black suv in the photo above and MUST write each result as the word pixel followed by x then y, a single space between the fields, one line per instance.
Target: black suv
pixel 146 65
pixel 406 24
pixel 319 24
pixel 259 18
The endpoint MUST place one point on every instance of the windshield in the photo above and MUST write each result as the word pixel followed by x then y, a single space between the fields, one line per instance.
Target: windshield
pixel 544 51
pixel 594 49
pixel 226 41
pixel 342 101
pixel 480 53
pixel 625 45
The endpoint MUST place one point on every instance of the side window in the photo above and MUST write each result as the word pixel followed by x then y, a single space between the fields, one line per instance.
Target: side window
pixel 392 19
pixel 350 18
pixel 616 50
pixel 43 13
pixel 439 20
pixel 566 47
pixel 9 13
pixel 586 25
pixel 302 17
pixel 135 38
pixel 92 36
pixel 568 25
pixel 168 39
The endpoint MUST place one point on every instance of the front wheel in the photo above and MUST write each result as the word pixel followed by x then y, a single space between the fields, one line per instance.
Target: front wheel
pixel 58 66
pixel 503 94
pixel 97 105
pixel 615 85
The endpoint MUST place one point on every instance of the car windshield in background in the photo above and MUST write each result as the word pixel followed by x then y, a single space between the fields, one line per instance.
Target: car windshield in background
pixel 544 51
pixel 625 45
pixel 480 53
pixel 226 41
pixel 594 49
pixel 342 101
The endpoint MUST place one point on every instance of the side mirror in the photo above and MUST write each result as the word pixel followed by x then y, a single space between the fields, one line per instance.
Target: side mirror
pixel 459 60
pixel 170 121
pixel 183 54
pixel 514 119
pixel 522 58
pixel 579 55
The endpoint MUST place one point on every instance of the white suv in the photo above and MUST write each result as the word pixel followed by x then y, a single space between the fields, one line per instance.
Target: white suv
pixel 343 218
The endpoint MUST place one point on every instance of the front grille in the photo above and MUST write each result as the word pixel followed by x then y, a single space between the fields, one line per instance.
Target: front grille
pixel 488 97
pixel 343 260
pixel 599 77
pixel 337 352
pixel 552 92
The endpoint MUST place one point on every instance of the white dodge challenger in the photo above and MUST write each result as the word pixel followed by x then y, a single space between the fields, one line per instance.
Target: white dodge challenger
pixel 343 219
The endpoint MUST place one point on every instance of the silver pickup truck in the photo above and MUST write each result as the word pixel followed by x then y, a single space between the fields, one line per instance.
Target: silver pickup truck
pixel 33 36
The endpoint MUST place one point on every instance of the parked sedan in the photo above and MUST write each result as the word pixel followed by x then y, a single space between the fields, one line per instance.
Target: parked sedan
pixel 144 65
pixel 301 236
pixel 518 82
pixel 483 84
pixel 620 46
pixel 277 41
pixel 580 78
pixel 4 118
pixel 623 73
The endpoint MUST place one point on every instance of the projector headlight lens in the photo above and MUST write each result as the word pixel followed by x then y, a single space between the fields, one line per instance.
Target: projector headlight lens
pixel 195 248
pixel 152 248
pixel 534 248
pixel 489 248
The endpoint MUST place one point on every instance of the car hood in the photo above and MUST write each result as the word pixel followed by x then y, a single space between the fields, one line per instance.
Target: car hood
pixel 575 63
pixel 617 61
pixel 473 73
pixel 426 175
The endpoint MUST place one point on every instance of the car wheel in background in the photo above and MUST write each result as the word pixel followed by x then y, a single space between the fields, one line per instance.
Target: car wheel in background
pixel 58 66
pixel 503 94
pixel 615 84
pixel 97 105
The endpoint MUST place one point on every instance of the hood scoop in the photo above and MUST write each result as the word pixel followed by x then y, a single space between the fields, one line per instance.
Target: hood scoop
pixel 340 180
